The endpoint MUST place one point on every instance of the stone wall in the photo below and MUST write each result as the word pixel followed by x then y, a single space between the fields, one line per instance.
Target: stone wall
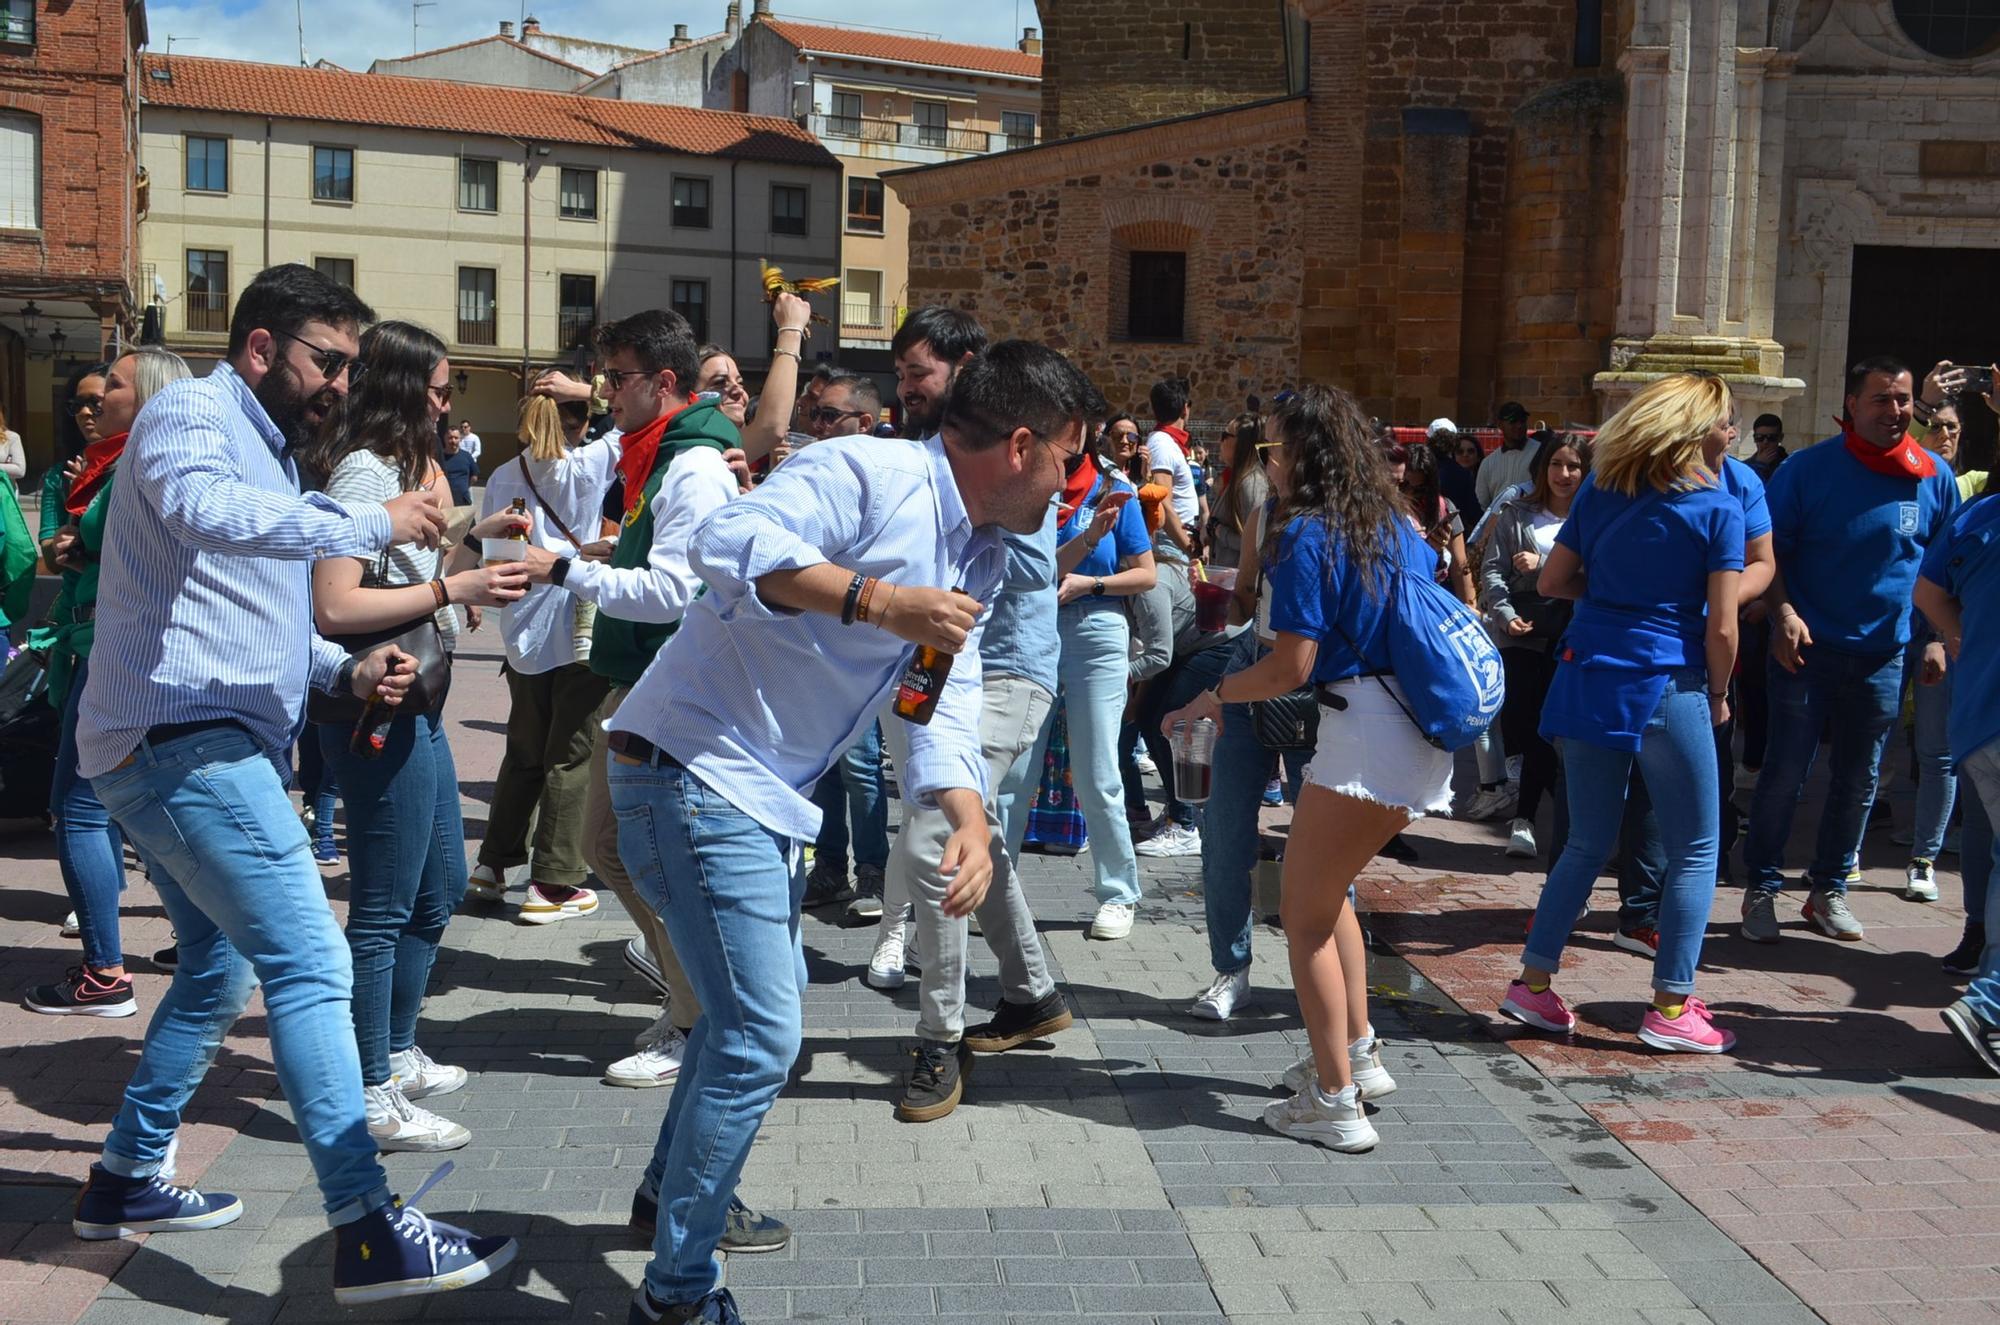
pixel 1042 249
pixel 1110 64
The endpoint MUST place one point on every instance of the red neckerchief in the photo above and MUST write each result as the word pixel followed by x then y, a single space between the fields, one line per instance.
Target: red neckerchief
pixel 635 466
pixel 1903 460
pixel 1077 486
pixel 1178 434
pixel 99 459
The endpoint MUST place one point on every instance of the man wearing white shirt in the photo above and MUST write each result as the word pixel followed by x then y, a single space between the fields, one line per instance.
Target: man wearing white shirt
pixel 1508 465
pixel 1167 454
pixel 468 440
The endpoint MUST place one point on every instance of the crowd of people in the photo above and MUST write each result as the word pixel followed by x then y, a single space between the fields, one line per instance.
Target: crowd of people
pixel 732 625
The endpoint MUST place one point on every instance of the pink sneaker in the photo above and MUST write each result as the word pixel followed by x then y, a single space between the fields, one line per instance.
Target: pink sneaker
pixel 1544 1011
pixel 1690 1033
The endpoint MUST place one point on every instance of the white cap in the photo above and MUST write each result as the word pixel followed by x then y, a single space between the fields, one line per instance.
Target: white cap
pixel 1438 426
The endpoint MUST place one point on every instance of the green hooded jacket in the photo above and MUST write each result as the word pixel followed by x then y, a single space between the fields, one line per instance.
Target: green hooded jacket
pixel 620 650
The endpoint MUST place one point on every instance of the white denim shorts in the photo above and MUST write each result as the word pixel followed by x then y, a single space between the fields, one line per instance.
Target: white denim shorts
pixel 1372 751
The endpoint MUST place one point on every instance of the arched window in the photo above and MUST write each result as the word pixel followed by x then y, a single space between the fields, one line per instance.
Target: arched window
pixel 1954 29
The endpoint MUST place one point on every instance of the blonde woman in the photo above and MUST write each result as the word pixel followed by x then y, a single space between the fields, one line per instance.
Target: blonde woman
pixel 1652 553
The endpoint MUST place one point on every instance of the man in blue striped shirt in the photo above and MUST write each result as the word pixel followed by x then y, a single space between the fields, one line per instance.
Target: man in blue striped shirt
pixel 819 582
pixel 205 646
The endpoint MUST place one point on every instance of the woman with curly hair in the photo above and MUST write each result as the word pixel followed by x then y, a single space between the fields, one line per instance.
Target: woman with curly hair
pixel 1332 551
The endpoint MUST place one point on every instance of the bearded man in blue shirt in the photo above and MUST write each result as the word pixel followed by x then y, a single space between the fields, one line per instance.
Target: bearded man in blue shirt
pixel 819 584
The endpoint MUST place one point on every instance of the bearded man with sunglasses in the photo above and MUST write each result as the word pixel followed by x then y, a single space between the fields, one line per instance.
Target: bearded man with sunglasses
pixel 205 646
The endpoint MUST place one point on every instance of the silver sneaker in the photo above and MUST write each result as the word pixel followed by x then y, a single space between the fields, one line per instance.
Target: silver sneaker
pixel 1827 911
pixel 1760 916
pixel 1343 1125
pixel 1364 1060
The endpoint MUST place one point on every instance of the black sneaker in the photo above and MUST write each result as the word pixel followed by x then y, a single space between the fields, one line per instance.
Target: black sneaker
pixel 1014 1024
pixel 168 958
pixel 83 993
pixel 826 883
pixel 865 907
pixel 1398 849
pixel 936 1082
pixel 744 1231
pixel 112 1206
pixel 718 1308
pixel 1976 1035
pixel 396 1251
pixel 1964 959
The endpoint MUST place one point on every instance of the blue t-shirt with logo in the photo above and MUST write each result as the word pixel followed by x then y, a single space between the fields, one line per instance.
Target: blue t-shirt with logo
pixel 1849 541
pixel 1741 482
pixel 1964 561
pixel 1318 593
pixel 1128 537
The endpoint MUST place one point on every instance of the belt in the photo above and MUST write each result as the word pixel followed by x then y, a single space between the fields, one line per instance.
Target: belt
pixel 639 750
pixel 169 731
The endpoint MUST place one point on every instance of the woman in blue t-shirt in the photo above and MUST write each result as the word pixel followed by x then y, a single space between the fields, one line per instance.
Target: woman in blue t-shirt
pixel 1652 552
pixel 1338 539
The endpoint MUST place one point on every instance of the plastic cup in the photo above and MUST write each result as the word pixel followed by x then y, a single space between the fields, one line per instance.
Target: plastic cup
pixel 1211 601
pixel 1193 747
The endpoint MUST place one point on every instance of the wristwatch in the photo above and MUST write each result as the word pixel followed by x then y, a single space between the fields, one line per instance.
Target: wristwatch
pixel 1097 586
pixel 559 572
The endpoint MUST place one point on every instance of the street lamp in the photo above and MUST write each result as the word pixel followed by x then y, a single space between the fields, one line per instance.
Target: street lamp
pixel 462 380
pixel 57 339
pixel 31 316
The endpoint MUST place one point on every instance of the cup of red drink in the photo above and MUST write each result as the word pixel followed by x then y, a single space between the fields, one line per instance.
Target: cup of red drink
pixel 1193 747
pixel 1211 600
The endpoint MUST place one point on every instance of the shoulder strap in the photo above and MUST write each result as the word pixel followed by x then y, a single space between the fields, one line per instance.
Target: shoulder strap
pixel 547 510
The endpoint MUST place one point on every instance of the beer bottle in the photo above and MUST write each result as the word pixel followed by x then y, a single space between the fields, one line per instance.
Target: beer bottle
pixel 371 730
pixel 519 506
pixel 922 684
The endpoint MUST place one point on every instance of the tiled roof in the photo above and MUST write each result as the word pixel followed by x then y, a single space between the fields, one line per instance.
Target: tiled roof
pixel 191 82
pixel 481 41
pixel 891 49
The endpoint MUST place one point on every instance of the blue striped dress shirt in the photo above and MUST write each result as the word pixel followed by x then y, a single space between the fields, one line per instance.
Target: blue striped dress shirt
pixel 204 602
pixel 758 701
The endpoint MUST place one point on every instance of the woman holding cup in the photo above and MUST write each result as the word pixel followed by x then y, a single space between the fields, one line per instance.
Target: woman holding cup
pixel 1331 551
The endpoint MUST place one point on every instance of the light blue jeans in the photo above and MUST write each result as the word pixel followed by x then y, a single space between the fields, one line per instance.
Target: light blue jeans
pixel 1095 664
pixel 1937 785
pixel 1858 694
pixel 88 847
pixel 228 856
pixel 853 788
pixel 728 890
pixel 1981 773
pixel 1676 749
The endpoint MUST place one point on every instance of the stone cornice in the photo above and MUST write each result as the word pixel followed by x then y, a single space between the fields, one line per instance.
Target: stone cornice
pixel 1051 163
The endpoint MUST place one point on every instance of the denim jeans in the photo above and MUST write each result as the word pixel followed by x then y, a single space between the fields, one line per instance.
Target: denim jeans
pixel 406 870
pixel 1858 695
pixel 1092 670
pixel 728 890
pixel 318 785
pixel 209 815
pixel 1170 690
pixel 1976 856
pixel 1229 822
pixel 1011 717
pixel 853 786
pixel 1937 785
pixel 1642 852
pixel 1981 770
pixel 1676 749
pixel 88 846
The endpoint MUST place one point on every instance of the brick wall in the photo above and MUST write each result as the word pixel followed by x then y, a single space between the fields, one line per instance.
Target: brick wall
pixel 1108 64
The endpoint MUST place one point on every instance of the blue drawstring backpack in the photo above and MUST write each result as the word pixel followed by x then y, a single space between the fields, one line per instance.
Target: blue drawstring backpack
pixel 1444 661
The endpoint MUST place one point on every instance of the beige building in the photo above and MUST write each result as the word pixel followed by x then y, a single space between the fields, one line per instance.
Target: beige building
pixel 508 222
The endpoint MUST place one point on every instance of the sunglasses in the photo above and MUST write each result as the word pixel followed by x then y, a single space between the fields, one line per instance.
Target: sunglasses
pixel 827 416
pixel 1767 436
pixel 87 405
pixel 331 363
pixel 443 393
pixel 614 378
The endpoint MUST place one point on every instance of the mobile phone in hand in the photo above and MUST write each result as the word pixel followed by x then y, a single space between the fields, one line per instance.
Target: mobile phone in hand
pixel 1978 382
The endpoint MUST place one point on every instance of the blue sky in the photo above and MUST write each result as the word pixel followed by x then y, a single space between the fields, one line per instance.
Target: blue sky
pixel 354 32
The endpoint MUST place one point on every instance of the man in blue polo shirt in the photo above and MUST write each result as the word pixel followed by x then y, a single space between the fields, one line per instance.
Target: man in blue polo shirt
pixel 1959 593
pixel 1850 519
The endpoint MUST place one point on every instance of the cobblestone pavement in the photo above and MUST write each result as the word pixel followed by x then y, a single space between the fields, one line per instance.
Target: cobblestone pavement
pixel 1118 1170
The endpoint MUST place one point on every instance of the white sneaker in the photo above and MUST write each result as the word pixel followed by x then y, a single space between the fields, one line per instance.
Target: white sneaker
pixel 1364 1059
pixel 1920 882
pixel 1521 839
pixel 1340 1125
pixel 657 1063
pixel 1225 994
pixel 640 960
pixel 1173 840
pixel 1144 763
pixel 1490 803
pixel 885 968
pixel 1113 921
pixel 483 885
pixel 397 1124
pixel 418 1075
pixel 70 928
pixel 547 903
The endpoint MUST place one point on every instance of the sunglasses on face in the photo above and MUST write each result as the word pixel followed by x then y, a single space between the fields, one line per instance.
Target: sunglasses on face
pixel 331 363
pixel 614 378
pixel 443 393
pixel 826 416
pixel 87 405
pixel 1767 436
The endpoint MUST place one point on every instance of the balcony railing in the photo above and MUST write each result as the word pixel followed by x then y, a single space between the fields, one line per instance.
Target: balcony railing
pixel 860 312
pixel 900 133
pixel 17 25
pixel 208 310
pixel 479 331
pixel 573 328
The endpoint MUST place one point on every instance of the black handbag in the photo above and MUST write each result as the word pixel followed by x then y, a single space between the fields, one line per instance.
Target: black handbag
pixel 420 638
pixel 1289 722
pixel 1550 617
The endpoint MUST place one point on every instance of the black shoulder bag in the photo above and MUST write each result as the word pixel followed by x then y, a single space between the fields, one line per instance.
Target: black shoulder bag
pixel 419 638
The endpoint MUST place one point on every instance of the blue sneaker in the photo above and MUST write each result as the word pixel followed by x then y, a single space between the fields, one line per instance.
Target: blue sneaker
pixel 397 1251
pixel 1274 792
pixel 112 1206
pixel 718 1308
pixel 744 1231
